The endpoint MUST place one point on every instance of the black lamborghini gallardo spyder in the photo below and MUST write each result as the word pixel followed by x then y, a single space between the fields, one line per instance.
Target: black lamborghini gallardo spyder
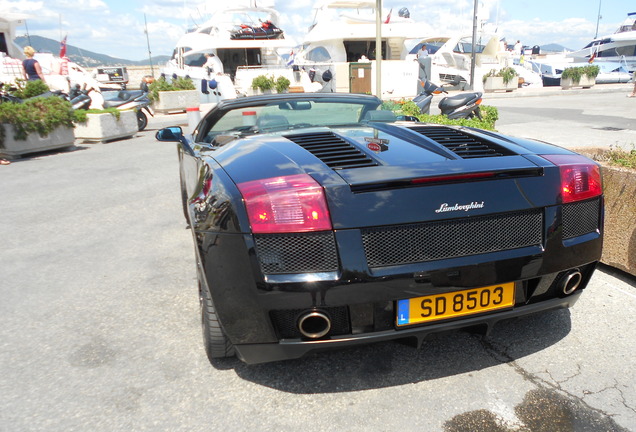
pixel 320 220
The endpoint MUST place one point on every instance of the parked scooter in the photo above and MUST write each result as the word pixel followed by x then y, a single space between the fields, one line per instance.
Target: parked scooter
pixel 464 105
pixel 130 99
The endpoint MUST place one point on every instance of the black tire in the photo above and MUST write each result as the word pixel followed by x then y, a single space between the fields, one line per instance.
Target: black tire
pixel 142 120
pixel 216 343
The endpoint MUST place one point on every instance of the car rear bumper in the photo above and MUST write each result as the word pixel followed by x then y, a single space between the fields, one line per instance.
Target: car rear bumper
pixel 296 348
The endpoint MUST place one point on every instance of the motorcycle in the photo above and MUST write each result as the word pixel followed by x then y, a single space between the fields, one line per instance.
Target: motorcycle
pixel 465 105
pixel 130 99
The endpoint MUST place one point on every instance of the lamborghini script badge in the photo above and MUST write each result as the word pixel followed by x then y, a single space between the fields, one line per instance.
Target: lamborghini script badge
pixel 457 207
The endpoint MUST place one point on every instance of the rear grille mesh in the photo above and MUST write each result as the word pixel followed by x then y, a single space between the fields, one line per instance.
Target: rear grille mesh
pixel 333 150
pixel 405 244
pixel 580 218
pixel 462 144
pixel 297 253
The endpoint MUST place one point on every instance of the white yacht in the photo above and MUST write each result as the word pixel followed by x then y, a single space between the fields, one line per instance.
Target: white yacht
pixel 242 36
pixel 619 47
pixel 59 74
pixel 342 40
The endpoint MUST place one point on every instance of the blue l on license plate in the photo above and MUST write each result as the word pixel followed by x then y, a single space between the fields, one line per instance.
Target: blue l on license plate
pixel 455 304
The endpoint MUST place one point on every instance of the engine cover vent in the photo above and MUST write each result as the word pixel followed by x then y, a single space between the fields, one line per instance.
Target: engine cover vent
pixel 464 145
pixel 333 150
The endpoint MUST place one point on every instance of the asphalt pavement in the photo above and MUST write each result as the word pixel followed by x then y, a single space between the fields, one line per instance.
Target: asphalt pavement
pixel 100 329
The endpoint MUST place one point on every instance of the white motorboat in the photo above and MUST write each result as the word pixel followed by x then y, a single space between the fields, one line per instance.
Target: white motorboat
pixel 619 47
pixel 451 58
pixel 242 36
pixel 551 69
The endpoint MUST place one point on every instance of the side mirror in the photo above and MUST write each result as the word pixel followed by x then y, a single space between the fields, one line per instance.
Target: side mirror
pixel 170 134
pixel 407 118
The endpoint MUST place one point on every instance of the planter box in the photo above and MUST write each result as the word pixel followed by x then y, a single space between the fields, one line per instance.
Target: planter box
pixel 176 101
pixel 106 127
pixel 493 84
pixel 585 82
pixel 619 245
pixel 59 138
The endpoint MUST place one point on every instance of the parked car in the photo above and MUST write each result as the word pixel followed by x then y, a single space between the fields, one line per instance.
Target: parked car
pixel 321 221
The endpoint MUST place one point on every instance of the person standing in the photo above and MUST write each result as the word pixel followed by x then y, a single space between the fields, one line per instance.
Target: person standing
pixel 32 69
pixel 423 52
pixel 213 64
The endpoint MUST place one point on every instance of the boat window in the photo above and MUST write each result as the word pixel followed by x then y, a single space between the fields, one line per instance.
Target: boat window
pixel 195 60
pixel 627 51
pixel 3 44
pixel 465 46
pixel 431 47
pixel 318 54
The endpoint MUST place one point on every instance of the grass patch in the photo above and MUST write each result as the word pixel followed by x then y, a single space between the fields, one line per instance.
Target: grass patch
pixel 619 157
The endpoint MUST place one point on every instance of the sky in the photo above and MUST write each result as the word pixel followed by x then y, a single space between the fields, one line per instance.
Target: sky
pixel 117 28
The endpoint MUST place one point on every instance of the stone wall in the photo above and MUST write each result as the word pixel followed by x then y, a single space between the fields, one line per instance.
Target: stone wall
pixel 619 246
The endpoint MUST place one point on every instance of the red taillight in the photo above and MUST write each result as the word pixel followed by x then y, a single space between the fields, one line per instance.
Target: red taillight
pixel 286 204
pixel 580 178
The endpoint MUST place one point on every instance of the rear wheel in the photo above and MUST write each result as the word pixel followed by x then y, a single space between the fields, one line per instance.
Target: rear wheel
pixel 142 120
pixel 478 113
pixel 216 343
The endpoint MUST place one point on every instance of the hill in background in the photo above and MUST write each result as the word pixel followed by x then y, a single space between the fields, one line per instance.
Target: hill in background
pixel 82 57
pixel 554 48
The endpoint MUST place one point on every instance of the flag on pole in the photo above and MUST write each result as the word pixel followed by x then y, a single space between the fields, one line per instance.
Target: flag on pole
pixel 63 48
pixel 388 17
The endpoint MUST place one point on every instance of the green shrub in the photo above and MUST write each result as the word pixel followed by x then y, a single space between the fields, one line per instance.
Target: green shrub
pixel 27 89
pixel 263 82
pixel 489 114
pixel 575 73
pixel 81 116
pixel 282 84
pixel 41 115
pixel 161 84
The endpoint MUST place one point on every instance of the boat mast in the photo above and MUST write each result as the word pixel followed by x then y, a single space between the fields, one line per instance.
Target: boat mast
pixel 378 48
pixel 598 18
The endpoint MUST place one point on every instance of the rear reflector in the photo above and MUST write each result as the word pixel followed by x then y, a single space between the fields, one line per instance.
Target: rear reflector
pixel 286 204
pixel 580 177
pixel 453 178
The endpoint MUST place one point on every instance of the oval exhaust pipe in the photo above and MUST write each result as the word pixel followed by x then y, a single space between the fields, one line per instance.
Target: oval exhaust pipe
pixel 571 281
pixel 314 324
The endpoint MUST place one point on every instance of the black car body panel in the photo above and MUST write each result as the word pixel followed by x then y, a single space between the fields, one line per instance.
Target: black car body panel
pixel 413 213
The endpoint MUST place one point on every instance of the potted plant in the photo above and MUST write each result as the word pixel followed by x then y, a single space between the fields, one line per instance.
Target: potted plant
pixel 173 96
pixel 502 79
pixel 282 84
pixel 105 125
pixel 263 83
pixel 35 125
pixel 580 76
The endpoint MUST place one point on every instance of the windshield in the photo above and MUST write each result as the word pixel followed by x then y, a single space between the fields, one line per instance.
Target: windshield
pixel 288 115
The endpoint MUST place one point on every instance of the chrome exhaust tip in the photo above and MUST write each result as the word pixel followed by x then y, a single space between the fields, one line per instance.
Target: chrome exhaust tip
pixel 570 282
pixel 314 324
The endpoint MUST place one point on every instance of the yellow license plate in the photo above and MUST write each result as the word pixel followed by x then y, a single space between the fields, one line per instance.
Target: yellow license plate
pixel 455 304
